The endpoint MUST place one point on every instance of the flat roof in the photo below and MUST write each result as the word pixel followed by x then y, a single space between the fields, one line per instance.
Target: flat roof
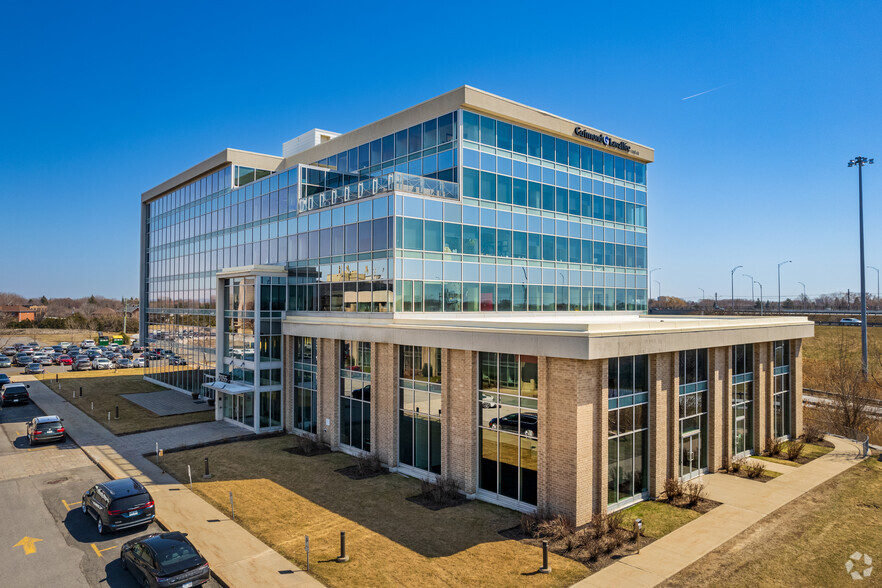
pixel 567 335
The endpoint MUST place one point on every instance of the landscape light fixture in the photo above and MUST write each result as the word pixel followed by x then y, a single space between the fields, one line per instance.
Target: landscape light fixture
pixel 779 283
pixel 860 162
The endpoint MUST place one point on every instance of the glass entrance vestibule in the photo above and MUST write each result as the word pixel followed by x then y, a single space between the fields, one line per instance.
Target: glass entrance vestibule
pixel 693 412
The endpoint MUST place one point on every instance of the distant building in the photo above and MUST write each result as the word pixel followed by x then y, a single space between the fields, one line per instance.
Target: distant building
pixel 18 313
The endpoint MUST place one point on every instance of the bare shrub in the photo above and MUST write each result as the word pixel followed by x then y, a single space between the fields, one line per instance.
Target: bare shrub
pixel 794 449
pixel 773 446
pixel 592 548
pixel 528 523
pixel 615 521
pixel 607 543
pixel 557 527
pixel 673 489
pixel 736 464
pixel 754 470
pixel 570 542
pixel 598 526
pixel 307 445
pixel 368 465
pixel 442 491
pixel 693 492
pixel 813 433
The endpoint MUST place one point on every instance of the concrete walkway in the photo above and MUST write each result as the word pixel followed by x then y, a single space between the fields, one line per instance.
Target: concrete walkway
pixel 744 502
pixel 237 558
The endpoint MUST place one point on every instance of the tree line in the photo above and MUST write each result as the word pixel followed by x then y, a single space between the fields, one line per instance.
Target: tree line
pixel 89 313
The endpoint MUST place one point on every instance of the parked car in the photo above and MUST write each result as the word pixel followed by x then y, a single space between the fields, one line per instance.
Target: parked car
pixel 4 379
pixel 529 424
pixel 9 350
pixel 73 350
pixel 101 363
pixel 63 360
pixel 34 368
pixel 82 364
pixel 123 363
pixel 119 504
pixel 46 428
pixel 176 360
pixel 46 360
pixel 65 345
pixel 164 559
pixel 22 359
pixel 5 362
pixel 48 350
pixel 849 321
pixel 126 352
pixel 34 345
pixel 14 393
pixel 58 349
pixel 87 343
pixel 137 348
pixel 139 362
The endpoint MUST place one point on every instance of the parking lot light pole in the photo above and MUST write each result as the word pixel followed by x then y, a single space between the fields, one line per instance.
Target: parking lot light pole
pixel 877 284
pixel 860 162
pixel 649 298
pixel 732 278
pixel 779 282
pixel 804 298
pixel 761 298
pixel 752 296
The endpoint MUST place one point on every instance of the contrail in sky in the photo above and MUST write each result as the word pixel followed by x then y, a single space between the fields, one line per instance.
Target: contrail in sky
pixel 705 92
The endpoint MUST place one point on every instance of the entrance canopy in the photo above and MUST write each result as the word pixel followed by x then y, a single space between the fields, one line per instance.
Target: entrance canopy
pixel 228 387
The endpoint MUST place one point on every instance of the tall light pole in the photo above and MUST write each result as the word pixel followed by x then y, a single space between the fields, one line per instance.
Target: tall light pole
pixel 761 298
pixel 779 282
pixel 860 162
pixel 732 278
pixel 752 297
pixel 702 293
pixel 650 285
pixel 658 296
pixel 877 284
pixel 804 298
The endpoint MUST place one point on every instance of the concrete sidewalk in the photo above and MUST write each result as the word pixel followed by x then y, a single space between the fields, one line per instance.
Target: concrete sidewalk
pixel 237 558
pixel 744 502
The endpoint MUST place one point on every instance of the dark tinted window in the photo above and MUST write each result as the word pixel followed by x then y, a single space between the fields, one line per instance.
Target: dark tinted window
pixel 128 502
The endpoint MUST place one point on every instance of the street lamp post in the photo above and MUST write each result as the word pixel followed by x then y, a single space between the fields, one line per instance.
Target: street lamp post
pixel 804 298
pixel 649 298
pixel 761 298
pixel 732 278
pixel 752 297
pixel 658 296
pixel 860 162
pixel 877 284
pixel 702 293
pixel 779 283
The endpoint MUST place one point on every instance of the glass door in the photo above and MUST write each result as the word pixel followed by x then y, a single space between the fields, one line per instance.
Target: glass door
pixel 740 436
pixel 690 454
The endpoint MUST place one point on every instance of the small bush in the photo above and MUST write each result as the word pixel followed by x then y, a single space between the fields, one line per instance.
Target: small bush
pixel 754 471
pixel 606 543
pixel 591 547
pixel 693 492
pixel 570 542
pixel 813 433
pixel 673 489
pixel 615 521
pixel 598 526
pixel 528 523
pixel 306 444
pixel 368 465
pixel 736 464
pixel 794 449
pixel 773 446
pixel 557 527
pixel 441 491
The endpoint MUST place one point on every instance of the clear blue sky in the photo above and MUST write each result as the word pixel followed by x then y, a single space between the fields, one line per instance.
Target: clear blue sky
pixel 101 103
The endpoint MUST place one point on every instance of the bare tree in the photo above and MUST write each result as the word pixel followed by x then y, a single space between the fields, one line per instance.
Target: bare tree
pixel 852 403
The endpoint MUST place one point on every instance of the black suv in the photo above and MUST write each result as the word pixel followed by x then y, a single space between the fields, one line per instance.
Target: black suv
pixel 14 393
pixel 164 559
pixel 119 504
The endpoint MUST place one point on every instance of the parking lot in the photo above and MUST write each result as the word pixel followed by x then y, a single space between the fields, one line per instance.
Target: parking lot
pixel 45 537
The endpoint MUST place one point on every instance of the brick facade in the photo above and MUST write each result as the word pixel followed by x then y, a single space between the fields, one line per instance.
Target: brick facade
pixel 384 402
pixel 327 394
pixel 459 417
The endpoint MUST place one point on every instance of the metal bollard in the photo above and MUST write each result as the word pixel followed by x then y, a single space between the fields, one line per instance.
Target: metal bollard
pixel 207 473
pixel 545 569
pixel 117 411
pixel 81 391
pixel 343 557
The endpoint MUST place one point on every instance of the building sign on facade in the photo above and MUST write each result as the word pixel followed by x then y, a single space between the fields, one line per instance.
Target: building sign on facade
pixel 604 139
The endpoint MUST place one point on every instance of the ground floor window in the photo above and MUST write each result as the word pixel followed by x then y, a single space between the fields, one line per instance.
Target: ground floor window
pixel 508 426
pixel 742 400
pixel 240 408
pixel 781 399
pixel 419 407
pixel 271 409
pixel 628 433
pixel 693 412
pixel 304 384
pixel 355 394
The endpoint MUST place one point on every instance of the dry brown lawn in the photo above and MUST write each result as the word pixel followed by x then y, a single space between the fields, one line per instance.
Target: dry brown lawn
pixel 281 498
pixel 804 543
pixel 821 347
pixel 101 394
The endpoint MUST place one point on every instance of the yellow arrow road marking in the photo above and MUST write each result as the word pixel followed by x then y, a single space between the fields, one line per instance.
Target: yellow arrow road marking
pixel 27 543
pixel 98 551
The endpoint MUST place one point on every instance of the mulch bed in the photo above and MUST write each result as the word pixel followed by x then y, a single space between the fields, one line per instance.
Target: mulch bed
pixel 320 450
pixel 705 505
pixel 428 501
pixel 742 474
pixel 353 473
pixel 559 547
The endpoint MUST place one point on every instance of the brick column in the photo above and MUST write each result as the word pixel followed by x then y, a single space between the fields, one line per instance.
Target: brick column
pixel 600 438
pixel 761 395
pixel 459 417
pixel 661 450
pixel 327 393
pixel 288 382
pixel 384 402
pixel 796 387
pixel 719 407
pixel 568 392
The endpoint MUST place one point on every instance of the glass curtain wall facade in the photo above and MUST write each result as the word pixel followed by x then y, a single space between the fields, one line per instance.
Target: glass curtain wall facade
pixel 693 412
pixel 742 400
pixel 508 427
pixel 628 432
pixel 305 384
pixel 781 399
pixel 355 394
pixel 419 407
